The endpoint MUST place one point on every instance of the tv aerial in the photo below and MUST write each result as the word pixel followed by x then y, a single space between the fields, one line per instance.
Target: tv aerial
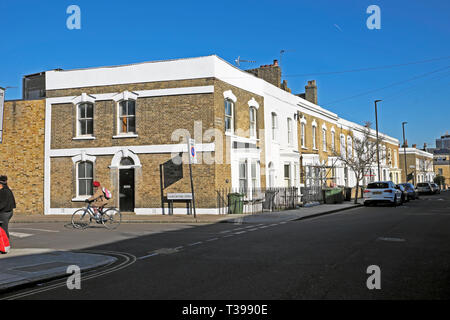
pixel 239 60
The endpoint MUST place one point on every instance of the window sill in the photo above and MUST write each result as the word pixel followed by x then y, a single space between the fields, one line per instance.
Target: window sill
pixel 304 148
pixel 84 138
pixel 80 199
pixel 124 136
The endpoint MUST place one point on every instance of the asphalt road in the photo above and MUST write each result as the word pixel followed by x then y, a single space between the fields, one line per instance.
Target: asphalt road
pixel 320 258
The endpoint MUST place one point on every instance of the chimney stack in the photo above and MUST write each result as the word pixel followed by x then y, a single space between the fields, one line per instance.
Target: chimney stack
pixel 414 145
pixel 270 73
pixel 311 91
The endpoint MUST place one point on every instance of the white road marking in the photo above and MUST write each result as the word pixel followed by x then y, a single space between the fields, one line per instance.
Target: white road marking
pixel 213 239
pixel 391 239
pixel 32 229
pixel 253 229
pixel 20 235
pixel 195 244
pixel 228 235
pixel 240 232
pixel 148 256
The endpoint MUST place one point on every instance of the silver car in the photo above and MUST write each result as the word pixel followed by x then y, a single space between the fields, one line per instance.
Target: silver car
pixel 424 187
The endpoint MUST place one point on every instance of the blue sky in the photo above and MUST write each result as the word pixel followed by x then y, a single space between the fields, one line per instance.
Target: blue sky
pixel 318 36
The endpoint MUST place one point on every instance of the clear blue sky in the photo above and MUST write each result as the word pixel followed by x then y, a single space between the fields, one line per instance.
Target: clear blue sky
pixel 319 36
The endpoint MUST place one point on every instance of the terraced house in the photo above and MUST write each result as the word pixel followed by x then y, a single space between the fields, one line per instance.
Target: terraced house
pixel 118 124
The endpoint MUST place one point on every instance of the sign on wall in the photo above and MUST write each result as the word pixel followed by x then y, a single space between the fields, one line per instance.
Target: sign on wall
pixel 192 151
pixel 2 106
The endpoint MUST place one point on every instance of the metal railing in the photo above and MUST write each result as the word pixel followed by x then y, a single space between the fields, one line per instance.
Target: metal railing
pixel 255 200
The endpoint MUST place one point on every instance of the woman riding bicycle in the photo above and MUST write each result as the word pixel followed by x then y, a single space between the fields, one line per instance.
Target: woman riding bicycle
pixel 98 200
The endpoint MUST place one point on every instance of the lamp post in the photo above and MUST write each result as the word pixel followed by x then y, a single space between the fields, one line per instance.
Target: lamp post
pixel 404 150
pixel 378 149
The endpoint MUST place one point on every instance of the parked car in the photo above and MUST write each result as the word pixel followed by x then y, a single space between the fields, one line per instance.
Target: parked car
pixel 424 188
pixel 404 192
pixel 436 188
pixel 411 191
pixel 382 192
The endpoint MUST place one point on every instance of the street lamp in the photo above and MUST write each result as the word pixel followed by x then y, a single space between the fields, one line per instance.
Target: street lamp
pixel 404 150
pixel 378 150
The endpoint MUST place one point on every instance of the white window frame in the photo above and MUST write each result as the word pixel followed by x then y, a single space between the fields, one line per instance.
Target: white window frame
pixel 288 179
pixel 274 119
pixel 77 175
pixel 314 136
pixel 78 126
pixel 333 142
pixel 324 139
pixel 231 117
pixel 119 122
pixel 290 132
pixel 253 123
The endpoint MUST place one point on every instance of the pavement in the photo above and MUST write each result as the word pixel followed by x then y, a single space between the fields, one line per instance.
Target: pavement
pixel 26 267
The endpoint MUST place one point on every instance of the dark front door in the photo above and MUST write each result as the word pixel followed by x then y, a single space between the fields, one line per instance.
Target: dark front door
pixel 126 189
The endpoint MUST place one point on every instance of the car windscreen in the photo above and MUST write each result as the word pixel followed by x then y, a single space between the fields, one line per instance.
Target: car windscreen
pixel 378 185
pixel 422 185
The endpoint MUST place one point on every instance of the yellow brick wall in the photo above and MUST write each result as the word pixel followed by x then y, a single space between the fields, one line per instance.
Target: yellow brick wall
pixel 22 153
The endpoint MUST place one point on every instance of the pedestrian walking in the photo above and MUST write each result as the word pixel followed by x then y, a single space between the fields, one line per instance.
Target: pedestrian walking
pixel 7 203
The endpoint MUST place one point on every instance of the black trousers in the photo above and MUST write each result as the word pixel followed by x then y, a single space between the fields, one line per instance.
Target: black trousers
pixel 4 220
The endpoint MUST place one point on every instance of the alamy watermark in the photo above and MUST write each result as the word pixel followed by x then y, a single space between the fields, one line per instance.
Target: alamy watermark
pixel 74 280
pixel 374 280
pixel 374 20
pixel 73 22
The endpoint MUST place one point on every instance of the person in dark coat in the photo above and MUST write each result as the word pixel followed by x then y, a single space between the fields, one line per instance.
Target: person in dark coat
pixel 7 203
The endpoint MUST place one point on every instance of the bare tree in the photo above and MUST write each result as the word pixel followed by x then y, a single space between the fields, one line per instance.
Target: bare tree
pixel 362 155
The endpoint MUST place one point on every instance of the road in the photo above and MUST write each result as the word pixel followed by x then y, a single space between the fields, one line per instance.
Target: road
pixel 320 258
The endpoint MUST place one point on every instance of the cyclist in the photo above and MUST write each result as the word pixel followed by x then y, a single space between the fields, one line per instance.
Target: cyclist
pixel 98 199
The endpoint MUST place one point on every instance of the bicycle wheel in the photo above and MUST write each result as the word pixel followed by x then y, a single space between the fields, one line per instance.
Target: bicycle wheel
pixel 81 219
pixel 112 218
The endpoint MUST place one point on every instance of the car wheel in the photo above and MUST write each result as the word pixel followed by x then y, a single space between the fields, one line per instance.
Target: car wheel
pixel 394 204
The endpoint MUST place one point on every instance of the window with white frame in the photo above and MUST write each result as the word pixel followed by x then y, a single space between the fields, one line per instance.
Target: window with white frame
pixel 127 117
pixel 314 136
pixel 85 178
pixel 289 131
pixel 254 174
pixel 274 126
pixel 243 175
pixel 253 127
pixel 349 146
pixel 229 115
pixel 324 139
pixel 332 141
pixel 85 114
pixel 287 175
pixel 271 175
pixel 303 134
pixel 342 145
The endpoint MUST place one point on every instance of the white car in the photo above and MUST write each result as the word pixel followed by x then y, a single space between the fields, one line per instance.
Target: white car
pixel 425 187
pixel 382 192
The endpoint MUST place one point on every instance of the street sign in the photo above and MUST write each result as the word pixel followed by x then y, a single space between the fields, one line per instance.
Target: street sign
pixel 2 105
pixel 192 151
pixel 179 196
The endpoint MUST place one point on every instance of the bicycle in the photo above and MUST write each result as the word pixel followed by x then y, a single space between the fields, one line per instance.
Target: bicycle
pixel 110 218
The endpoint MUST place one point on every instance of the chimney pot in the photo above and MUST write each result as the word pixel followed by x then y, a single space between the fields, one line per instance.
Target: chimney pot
pixel 414 145
pixel 275 63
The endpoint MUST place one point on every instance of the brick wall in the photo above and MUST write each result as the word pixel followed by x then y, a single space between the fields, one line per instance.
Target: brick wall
pixel 22 153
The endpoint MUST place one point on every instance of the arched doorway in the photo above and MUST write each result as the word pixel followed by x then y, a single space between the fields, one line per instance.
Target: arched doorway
pixel 127 185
